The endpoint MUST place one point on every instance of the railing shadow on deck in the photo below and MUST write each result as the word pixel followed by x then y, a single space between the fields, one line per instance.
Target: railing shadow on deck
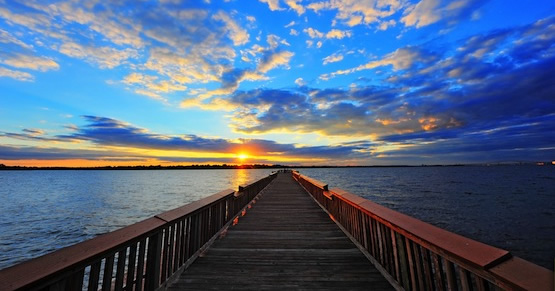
pixel 142 256
pixel 414 255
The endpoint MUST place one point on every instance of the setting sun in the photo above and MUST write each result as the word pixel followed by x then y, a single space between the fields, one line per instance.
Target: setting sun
pixel 242 156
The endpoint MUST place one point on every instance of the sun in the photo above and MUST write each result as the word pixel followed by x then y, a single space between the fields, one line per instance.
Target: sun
pixel 242 156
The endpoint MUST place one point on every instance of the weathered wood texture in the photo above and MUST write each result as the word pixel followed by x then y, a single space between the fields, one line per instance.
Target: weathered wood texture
pixel 284 242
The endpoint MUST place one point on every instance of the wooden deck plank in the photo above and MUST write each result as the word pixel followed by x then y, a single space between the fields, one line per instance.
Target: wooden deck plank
pixel 284 242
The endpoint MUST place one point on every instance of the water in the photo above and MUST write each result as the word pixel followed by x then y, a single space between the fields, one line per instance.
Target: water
pixel 41 211
pixel 508 207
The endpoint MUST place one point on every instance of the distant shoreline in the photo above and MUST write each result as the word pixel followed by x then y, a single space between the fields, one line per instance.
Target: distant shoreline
pixel 253 166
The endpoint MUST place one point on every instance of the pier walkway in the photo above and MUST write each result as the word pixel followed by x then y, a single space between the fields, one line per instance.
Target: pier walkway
pixel 285 241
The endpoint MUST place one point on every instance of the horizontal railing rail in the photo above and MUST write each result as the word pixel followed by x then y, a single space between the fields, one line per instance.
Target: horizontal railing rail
pixel 142 256
pixel 415 255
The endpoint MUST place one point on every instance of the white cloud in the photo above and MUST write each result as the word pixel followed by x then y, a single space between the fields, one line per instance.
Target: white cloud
pixel 183 69
pixel 29 20
pixel 313 33
pixel 275 60
pixel 251 18
pixel 332 58
pixel 272 4
pixel 7 37
pixel 105 57
pixel 136 78
pixel 295 6
pixel 152 84
pixel 300 82
pixel 293 32
pixel 118 31
pixel 421 14
pixel 384 25
pixel 309 43
pixel 319 44
pixel 290 24
pixel 22 61
pixel 400 59
pixel 427 12
pixel 237 34
pixel 149 94
pixel 355 12
pixel 339 34
pixel 273 40
pixel 18 75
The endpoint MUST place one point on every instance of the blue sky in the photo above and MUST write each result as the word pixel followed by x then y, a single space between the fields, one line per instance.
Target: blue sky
pixel 374 82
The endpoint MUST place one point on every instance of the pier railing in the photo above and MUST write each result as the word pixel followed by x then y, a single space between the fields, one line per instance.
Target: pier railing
pixel 415 255
pixel 142 256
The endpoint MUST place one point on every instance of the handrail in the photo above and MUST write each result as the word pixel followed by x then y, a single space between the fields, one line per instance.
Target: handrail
pixel 418 256
pixel 142 256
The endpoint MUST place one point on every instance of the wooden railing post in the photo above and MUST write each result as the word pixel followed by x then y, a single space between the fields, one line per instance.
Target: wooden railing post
pixel 152 276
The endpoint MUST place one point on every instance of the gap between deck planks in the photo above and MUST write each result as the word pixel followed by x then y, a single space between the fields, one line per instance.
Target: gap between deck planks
pixel 286 241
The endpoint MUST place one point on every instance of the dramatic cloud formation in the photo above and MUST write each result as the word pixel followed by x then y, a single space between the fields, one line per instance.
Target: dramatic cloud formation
pixel 314 82
pixel 116 139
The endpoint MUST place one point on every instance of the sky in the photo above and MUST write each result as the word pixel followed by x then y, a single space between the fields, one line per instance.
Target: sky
pixel 296 82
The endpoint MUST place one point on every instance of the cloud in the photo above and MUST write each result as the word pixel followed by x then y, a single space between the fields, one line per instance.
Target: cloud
pixel 238 35
pixel 17 75
pixel 427 12
pixel 273 60
pixel 296 6
pixel 332 59
pixel 334 33
pixel 180 43
pixel 272 4
pixel 33 135
pixel 313 33
pixel 401 59
pixel 290 24
pixel 271 57
pixel 300 82
pixel 150 85
pixel 421 14
pixel 117 139
pixel 52 153
pixel 339 34
pixel 184 69
pixel 106 24
pixel 31 20
pixel 293 32
pixel 499 101
pixel 7 38
pixel 354 12
pixel 23 61
pixel 384 25
pixel 105 57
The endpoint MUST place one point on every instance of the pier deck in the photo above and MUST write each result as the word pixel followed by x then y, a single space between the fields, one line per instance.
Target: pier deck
pixel 286 241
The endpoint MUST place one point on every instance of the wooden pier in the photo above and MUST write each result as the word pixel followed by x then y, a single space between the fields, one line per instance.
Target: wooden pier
pixel 285 241
pixel 285 231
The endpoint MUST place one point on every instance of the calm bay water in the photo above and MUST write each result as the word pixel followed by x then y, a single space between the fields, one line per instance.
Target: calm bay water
pixel 512 207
